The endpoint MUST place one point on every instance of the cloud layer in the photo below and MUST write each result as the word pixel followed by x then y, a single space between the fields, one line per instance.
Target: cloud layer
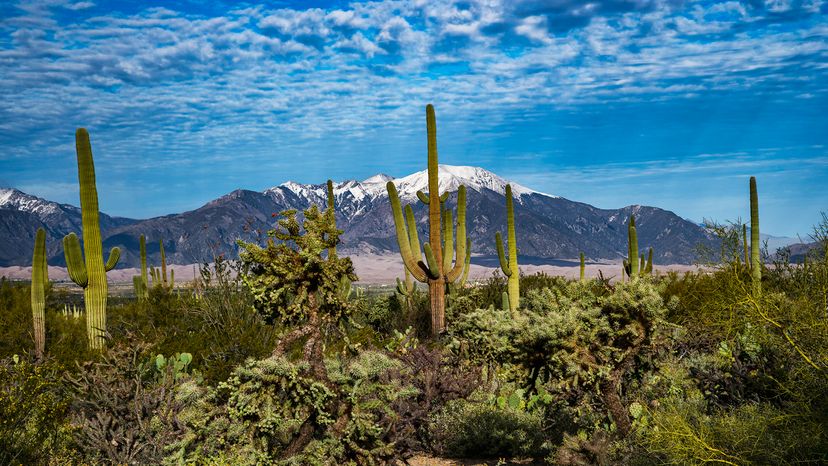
pixel 229 91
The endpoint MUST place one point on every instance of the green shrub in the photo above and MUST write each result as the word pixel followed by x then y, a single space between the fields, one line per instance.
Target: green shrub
pixel 469 429
pixel 274 411
pixel 124 406
pixel 33 413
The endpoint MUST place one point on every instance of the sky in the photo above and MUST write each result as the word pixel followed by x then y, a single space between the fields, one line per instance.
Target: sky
pixel 667 103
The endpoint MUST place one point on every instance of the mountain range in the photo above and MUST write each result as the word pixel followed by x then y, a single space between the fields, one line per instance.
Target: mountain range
pixel 548 227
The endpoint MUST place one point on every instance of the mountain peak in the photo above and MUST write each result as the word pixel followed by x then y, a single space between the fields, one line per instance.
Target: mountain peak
pixel 378 178
pixel 452 176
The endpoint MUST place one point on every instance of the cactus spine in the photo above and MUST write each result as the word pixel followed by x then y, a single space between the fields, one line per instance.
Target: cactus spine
pixel 88 269
pixel 755 265
pixel 583 267
pixel 510 267
pixel 436 272
pixel 40 278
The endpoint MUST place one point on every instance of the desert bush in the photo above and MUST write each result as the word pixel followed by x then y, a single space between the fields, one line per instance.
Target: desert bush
pixel 682 431
pixel 124 408
pixel 275 411
pixel 16 332
pixel 479 429
pixel 581 346
pixel 33 413
pixel 438 378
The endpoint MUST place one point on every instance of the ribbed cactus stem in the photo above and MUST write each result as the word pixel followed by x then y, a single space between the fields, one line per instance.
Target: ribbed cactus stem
pixel 40 277
pixel 332 212
pixel 745 246
pixel 755 265
pixel 633 246
pixel 163 263
pixel 142 243
pixel 648 268
pixel 437 284
pixel 583 267
pixel 93 277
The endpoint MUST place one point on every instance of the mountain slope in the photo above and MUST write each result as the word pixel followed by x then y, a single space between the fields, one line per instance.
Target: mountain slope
pixel 22 214
pixel 547 226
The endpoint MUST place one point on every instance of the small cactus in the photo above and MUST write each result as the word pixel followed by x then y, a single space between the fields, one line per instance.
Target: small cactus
pixel 583 267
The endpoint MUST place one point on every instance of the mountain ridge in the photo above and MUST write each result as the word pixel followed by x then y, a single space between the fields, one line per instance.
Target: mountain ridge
pixel 548 226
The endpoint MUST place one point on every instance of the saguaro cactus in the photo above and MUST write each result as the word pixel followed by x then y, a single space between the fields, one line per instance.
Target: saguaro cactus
pixel 632 248
pixel 163 264
pixel 583 266
pixel 141 282
pixel 755 265
pixel 510 267
pixel 648 266
pixel 88 269
pixel 438 272
pixel 332 212
pixel 40 278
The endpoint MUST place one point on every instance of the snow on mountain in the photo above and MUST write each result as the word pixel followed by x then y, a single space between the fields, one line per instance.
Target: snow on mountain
pixel 17 200
pixel 451 177
pixel 378 178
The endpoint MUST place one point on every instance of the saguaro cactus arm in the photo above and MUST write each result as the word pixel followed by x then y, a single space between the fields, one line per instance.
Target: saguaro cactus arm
pixel 501 255
pixel 114 257
pixel 75 265
pixel 582 267
pixel 463 246
pixel 413 263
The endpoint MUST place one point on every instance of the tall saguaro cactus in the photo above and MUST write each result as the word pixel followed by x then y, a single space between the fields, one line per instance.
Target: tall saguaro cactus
pixel 510 267
pixel 40 278
pixel 437 272
pixel 755 265
pixel 88 269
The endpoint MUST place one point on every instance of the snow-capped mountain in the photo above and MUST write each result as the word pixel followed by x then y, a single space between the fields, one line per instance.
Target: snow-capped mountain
pixel 547 226
pixel 22 214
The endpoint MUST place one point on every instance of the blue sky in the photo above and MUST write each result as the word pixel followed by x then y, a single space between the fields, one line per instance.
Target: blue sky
pixel 658 102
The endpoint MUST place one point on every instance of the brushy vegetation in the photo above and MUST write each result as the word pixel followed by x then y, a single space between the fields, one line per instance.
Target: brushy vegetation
pixel 670 369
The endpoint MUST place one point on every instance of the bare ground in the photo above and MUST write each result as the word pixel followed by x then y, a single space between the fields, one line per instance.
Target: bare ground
pixel 371 269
